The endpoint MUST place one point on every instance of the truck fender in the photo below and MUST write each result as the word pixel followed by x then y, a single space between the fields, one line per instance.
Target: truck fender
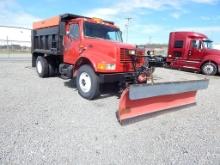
pixel 212 58
pixel 81 61
pixel 95 58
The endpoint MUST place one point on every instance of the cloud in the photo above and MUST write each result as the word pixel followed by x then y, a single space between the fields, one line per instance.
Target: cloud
pixel 106 13
pixel 176 15
pixel 207 29
pixel 210 18
pixel 206 1
pixel 134 8
pixel 12 14
pixel 206 18
pixel 131 6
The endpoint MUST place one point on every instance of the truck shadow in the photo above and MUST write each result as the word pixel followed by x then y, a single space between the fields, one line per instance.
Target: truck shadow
pixel 70 83
pixel 107 90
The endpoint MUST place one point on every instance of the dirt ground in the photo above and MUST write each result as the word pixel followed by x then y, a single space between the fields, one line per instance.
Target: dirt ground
pixel 45 121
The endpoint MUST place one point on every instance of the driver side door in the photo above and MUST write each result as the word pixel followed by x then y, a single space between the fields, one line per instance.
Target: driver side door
pixel 195 54
pixel 71 42
pixel 196 50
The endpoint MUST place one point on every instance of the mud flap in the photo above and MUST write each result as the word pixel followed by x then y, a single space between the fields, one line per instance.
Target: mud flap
pixel 140 99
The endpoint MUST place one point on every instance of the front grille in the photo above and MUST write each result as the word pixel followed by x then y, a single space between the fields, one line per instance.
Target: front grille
pixel 124 57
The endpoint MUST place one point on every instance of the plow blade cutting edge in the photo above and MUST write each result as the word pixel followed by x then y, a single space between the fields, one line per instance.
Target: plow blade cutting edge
pixel 140 99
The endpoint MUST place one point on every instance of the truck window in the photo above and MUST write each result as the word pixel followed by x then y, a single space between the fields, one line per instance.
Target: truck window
pixel 207 44
pixel 178 44
pixel 102 31
pixel 74 31
pixel 113 36
pixel 197 44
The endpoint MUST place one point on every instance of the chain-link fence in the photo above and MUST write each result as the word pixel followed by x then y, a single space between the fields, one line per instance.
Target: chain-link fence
pixel 15 48
pixel 15 42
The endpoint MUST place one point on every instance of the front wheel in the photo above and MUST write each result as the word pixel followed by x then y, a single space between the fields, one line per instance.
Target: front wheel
pixel 87 82
pixel 209 68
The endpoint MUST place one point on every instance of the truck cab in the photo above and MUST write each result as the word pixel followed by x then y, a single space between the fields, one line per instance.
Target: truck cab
pixel 88 49
pixel 193 51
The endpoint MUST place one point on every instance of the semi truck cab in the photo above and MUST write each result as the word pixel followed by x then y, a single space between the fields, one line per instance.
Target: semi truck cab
pixel 193 51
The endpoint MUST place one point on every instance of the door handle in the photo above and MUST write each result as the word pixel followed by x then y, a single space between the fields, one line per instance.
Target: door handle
pixel 190 52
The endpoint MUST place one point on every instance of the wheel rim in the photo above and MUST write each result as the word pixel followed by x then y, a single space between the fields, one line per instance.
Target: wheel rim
pixel 39 67
pixel 208 69
pixel 85 82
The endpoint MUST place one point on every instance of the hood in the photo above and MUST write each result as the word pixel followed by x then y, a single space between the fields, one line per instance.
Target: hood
pixel 109 43
pixel 213 51
pixel 108 48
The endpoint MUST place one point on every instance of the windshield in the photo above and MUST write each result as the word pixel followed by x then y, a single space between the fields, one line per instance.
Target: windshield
pixel 208 44
pixel 102 31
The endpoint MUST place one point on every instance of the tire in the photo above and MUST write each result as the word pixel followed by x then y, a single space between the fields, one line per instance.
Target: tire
pixel 87 83
pixel 209 68
pixel 34 58
pixel 42 67
pixel 52 69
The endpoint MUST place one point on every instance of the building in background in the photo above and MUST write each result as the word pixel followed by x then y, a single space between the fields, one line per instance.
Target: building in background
pixel 14 39
pixel 155 49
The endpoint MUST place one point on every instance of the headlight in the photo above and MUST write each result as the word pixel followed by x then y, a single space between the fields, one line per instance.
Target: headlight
pixel 131 52
pixel 104 66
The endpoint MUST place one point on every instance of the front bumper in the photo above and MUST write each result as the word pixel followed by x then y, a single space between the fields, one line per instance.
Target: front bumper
pixel 116 77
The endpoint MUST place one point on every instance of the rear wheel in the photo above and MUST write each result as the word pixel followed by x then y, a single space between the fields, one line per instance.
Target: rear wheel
pixel 209 68
pixel 87 82
pixel 42 66
pixel 52 68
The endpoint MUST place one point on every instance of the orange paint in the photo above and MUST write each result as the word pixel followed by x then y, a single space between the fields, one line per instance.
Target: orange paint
pixel 133 108
pixel 54 21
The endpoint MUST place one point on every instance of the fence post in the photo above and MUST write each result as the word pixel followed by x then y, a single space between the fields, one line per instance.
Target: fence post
pixel 7 46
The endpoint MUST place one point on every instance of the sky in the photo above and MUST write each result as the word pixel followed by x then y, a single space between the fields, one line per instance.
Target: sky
pixel 152 20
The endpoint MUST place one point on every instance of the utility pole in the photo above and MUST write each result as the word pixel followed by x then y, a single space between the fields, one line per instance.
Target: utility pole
pixel 126 26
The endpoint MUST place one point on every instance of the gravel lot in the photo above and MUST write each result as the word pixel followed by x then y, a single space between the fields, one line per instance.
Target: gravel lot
pixel 45 121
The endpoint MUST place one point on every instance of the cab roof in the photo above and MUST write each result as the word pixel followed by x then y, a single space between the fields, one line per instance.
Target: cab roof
pixel 190 34
pixel 54 21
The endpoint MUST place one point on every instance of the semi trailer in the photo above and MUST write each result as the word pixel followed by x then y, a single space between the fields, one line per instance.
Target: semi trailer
pixel 92 51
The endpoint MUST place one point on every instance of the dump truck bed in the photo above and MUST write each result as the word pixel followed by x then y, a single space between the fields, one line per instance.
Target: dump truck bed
pixel 47 35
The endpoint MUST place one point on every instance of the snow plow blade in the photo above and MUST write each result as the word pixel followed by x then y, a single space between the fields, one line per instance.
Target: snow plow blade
pixel 141 99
